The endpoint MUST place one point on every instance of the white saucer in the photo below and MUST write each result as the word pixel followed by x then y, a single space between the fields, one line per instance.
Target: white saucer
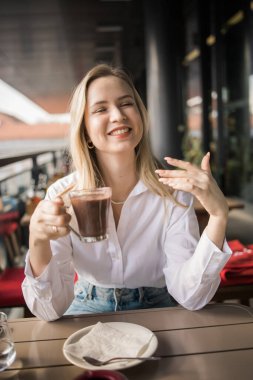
pixel 130 328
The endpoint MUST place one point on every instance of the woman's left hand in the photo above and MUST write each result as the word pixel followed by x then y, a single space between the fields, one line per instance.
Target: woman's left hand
pixel 197 181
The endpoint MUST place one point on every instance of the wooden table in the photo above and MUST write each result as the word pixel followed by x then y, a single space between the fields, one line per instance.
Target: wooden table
pixel 213 343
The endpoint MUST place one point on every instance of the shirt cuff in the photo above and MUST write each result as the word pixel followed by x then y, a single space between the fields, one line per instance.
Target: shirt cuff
pixel 210 258
pixel 44 276
pixel 225 248
pixel 42 284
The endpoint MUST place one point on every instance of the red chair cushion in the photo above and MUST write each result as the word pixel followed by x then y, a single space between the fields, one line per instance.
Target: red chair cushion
pixel 10 287
pixel 8 228
pixel 8 222
pixel 9 216
pixel 239 268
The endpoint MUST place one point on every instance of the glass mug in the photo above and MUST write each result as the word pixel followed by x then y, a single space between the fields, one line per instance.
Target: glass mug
pixel 91 208
pixel 7 349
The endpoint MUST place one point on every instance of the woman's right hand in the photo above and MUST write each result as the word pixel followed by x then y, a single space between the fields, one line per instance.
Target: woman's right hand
pixel 50 220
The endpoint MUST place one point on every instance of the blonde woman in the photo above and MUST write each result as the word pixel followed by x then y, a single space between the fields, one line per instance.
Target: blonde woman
pixel 154 256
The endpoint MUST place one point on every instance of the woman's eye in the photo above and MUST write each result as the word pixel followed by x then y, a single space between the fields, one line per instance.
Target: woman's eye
pixel 126 104
pixel 99 110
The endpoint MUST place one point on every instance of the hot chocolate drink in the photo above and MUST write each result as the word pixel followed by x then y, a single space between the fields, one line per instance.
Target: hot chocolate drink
pixel 91 210
pixel 91 215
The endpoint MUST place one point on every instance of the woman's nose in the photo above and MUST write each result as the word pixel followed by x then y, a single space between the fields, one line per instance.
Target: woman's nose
pixel 116 115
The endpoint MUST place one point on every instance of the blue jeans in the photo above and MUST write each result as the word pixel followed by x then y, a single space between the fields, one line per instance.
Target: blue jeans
pixel 94 299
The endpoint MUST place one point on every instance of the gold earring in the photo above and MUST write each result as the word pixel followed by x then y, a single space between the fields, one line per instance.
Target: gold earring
pixel 90 144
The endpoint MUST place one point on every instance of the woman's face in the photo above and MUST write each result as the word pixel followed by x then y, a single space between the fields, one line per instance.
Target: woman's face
pixel 112 119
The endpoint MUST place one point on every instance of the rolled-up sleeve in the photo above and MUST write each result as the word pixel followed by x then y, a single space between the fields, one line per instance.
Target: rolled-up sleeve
pixel 49 295
pixel 193 265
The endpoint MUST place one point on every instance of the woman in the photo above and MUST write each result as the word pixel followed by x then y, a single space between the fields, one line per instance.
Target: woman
pixel 153 256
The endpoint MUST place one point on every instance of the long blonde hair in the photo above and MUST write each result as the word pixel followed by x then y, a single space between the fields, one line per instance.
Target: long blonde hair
pixel 84 159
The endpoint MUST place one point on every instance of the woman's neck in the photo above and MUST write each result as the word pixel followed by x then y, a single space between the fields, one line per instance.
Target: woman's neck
pixel 120 174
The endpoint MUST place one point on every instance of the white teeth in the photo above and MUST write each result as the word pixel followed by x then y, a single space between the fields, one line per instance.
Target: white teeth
pixel 119 131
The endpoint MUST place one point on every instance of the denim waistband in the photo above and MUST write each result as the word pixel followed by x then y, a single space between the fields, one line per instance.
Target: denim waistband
pixel 119 296
pixel 116 293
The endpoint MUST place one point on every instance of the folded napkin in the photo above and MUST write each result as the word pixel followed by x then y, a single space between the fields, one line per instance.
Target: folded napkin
pixel 104 342
pixel 239 268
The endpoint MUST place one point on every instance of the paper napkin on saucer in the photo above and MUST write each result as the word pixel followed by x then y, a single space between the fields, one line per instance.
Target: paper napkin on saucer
pixel 104 342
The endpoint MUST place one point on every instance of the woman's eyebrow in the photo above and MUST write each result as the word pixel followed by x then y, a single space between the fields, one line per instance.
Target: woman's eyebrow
pixel 106 101
pixel 99 102
pixel 125 96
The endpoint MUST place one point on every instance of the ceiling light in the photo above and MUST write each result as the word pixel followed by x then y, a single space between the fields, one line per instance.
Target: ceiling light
pixel 236 18
pixel 193 54
pixel 211 40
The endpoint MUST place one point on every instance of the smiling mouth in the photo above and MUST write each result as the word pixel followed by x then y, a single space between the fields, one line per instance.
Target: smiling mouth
pixel 119 131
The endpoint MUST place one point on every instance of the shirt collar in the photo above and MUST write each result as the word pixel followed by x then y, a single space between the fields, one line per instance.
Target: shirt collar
pixel 139 188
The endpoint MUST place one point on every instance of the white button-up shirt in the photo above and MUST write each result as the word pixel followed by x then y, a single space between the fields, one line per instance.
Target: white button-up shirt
pixel 155 244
